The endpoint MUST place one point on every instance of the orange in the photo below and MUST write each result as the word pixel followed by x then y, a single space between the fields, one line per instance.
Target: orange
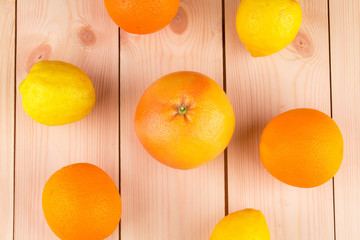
pixel 184 120
pixel 302 147
pixel 81 202
pixel 142 17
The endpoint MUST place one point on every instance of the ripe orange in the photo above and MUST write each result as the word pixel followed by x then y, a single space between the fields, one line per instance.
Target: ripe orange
pixel 142 17
pixel 81 201
pixel 302 147
pixel 184 120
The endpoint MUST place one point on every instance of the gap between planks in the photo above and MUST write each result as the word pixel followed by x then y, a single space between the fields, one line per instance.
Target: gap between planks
pixel 226 178
pixel 331 108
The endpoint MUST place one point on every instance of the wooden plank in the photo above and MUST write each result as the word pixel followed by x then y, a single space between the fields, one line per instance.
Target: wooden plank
pixel 7 63
pixel 345 72
pixel 160 202
pixel 260 89
pixel 81 33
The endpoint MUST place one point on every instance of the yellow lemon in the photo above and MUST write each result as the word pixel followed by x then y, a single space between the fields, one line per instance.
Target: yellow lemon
pixel 57 93
pixel 247 224
pixel 267 26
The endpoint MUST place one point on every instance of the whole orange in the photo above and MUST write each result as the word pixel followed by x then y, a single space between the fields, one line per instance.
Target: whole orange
pixel 184 120
pixel 81 201
pixel 302 147
pixel 142 17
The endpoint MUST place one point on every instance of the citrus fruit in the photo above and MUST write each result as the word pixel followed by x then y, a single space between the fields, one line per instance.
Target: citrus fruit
pixel 267 26
pixel 57 93
pixel 80 201
pixel 184 120
pixel 247 224
pixel 302 147
pixel 142 17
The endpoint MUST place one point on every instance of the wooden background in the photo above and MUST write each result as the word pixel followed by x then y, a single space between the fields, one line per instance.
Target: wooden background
pixel 320 69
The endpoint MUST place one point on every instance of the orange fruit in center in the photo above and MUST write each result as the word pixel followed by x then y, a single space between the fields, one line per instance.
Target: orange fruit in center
pixel 184 120
pixel 302 147
pixel 81 201
pixel 142 17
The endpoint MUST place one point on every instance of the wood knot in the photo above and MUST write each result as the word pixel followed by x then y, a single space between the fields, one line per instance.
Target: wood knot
pixel 303 45
pixel 86 35
pixel 180 21
pixel 41 53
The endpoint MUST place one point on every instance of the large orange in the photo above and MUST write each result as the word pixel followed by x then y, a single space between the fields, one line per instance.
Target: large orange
pixel 142 17
pixel 184 120
pixel 302 147
pixel 81 202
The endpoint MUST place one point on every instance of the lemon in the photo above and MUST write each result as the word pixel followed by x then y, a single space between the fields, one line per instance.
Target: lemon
pixel 247 224
pixel 267 26
pixel 57 93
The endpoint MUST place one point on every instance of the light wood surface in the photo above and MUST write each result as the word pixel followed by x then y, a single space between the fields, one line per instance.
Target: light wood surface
pixel 345 73
pixel 260 89
pixel 81 33
pixel 160 203
pixel 7 82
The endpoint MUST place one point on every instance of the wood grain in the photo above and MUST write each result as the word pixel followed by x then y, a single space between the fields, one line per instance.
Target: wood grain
pixel 345 72
pixel 260 89
pixel 79 32
pixel 7 84
pixel 161 203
